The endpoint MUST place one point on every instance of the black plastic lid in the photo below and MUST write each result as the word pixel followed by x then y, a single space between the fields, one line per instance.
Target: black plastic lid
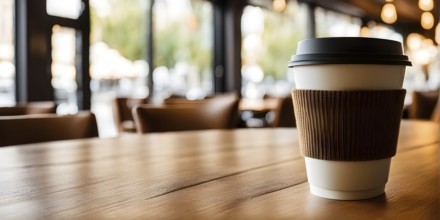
pixel 349 50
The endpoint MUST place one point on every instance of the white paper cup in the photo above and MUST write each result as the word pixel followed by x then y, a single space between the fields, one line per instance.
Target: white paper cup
pixel 346 180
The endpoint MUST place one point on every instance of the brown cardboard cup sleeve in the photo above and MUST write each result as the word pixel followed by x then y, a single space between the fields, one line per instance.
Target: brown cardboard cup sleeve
pixel 348 125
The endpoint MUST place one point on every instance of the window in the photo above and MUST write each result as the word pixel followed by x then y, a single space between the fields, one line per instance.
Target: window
pixel 333 24
pixel 66 8
pixel 183 48
pixel 118 50
pixel 67 47
pixel 269 39
pixel 380 31
pixel 63 69
pixel 7 67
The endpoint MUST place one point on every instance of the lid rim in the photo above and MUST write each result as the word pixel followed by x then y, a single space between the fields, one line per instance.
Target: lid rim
pixel 349 50
pixel 317 62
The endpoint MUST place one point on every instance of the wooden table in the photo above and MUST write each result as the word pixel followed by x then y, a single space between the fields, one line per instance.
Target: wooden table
pixel 236 174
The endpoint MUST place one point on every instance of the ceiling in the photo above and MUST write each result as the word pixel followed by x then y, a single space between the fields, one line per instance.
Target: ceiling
pixel 408 12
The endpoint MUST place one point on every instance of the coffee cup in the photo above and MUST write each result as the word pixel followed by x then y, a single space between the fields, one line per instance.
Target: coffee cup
pixel 348 102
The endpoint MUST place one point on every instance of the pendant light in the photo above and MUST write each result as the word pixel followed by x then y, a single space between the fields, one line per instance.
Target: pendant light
pixel 426 5
pixel 279 5
pixel 389 14
pixel 427 20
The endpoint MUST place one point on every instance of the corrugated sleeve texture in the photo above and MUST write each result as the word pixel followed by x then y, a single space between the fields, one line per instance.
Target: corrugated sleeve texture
pixel 348 125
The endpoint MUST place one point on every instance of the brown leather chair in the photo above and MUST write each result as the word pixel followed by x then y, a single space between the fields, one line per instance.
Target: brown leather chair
pixel 25 129
pixel 29 108
pixel 423 105
pixel 284 115
pixel 122 108
pixel 182 100
pixel 220 112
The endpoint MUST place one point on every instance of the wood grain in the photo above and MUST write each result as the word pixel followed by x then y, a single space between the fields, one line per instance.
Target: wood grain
pixel 216 174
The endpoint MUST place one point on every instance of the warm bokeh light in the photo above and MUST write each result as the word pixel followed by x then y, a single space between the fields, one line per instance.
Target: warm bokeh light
pixel 422 50
pixel 426 5
pixel 427 20
pixel 279 5
pixel 389 14
pixel 421 57
pixel 365 32
pixel 414 41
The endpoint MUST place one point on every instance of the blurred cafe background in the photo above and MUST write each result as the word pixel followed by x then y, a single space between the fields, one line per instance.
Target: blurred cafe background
pixel 82 54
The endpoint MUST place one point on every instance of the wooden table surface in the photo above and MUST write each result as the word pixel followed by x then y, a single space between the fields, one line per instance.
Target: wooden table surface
pixel 236 174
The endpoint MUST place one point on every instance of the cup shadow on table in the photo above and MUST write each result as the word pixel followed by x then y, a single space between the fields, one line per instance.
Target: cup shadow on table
pixel 318 206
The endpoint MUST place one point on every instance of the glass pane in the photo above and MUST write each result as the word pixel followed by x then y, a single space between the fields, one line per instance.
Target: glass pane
pixel 117 55
pixel 64 8
pixel 333 24
pixel 63 69
pixel 7 67
pixel 269 39
pixel 183 48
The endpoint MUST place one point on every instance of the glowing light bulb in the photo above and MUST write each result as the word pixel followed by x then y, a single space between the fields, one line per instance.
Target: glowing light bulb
pixel 427 20
pixel 414 41
pixel 365 32
pixel 279 5
pixel 426 5
pixel 389 14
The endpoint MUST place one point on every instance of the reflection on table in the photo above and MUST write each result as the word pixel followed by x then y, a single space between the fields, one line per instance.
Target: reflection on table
pixel 267 104
pixel 257 112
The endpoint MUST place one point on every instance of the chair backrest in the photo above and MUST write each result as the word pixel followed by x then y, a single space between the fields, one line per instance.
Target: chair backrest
pixel 29 108
pixel 183 100
pixel 122 112
pixel 284 115
pixel 25 129
pixel 423 104
pixel 220 112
